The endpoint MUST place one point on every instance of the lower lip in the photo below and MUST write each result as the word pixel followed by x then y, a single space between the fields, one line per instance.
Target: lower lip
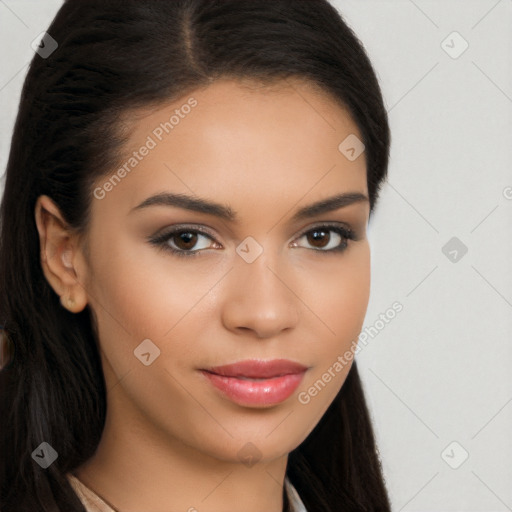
pixel 256 392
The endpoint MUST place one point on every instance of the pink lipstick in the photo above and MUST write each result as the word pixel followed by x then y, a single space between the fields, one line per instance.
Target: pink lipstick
pixel 256 381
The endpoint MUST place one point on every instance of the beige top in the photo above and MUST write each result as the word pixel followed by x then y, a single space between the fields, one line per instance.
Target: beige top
pixel 93 503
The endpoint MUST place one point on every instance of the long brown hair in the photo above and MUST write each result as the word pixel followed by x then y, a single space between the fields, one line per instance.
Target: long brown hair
pixel 114 56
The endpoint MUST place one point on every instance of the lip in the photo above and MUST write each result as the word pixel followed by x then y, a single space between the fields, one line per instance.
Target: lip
pixel 257 382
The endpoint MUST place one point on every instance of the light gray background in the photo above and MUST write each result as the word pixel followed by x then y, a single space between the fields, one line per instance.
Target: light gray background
pixel 438 372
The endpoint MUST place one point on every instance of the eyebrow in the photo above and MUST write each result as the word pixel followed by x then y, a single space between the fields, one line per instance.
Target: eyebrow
pixel 226 213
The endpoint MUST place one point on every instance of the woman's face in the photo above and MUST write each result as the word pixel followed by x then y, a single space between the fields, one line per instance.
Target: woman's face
pixel 248 278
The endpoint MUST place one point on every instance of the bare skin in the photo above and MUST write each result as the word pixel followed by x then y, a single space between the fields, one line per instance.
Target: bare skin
pixel 171 440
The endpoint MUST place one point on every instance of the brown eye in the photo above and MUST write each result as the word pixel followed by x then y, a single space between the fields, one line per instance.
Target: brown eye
pixel 328 238
pixel 318 238
pixel 184 239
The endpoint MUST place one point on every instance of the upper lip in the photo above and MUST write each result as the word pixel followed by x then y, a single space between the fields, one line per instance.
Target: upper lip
pixel 258 368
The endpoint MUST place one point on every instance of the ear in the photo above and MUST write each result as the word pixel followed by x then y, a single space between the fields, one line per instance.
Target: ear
pixel 59 251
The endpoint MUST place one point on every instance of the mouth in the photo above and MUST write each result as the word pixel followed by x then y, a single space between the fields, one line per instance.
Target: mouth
pixel 256 382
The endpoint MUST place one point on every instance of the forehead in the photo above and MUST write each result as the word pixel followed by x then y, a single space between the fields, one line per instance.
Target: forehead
pixel 243 140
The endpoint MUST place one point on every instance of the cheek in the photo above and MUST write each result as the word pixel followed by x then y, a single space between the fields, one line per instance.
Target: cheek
pixel 148 295
pixel 340 304
pixel 350 308
pixel 341 298
pixel 125 297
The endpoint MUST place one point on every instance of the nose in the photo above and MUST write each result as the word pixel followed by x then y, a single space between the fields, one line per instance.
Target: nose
pixel 260 299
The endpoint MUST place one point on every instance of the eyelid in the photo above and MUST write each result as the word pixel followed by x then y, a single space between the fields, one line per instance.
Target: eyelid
pixel 325 223
pixel 200 228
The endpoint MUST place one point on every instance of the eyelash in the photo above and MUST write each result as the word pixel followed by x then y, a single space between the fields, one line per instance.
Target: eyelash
pixel 161 240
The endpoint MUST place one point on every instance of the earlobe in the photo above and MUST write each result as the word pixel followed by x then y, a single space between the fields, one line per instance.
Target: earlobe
pixel 57 246
pixel 68 301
